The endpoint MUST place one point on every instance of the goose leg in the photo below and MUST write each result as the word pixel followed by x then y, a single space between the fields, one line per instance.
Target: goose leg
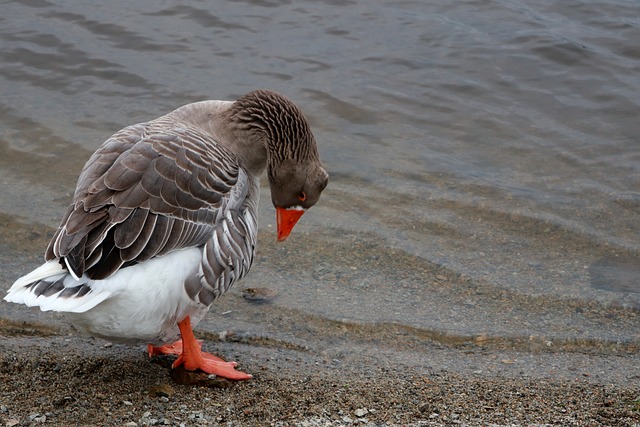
pixel 193 358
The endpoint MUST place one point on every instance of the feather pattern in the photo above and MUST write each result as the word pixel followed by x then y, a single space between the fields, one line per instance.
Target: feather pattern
pixel 118 204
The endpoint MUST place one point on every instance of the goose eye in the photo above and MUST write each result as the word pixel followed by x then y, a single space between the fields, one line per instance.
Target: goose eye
pixel 302 196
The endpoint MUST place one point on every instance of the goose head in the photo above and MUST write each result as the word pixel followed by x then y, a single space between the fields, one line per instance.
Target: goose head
pixel 296 174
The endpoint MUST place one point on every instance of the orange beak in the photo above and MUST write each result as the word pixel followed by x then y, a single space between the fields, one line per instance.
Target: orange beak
pixel 286 219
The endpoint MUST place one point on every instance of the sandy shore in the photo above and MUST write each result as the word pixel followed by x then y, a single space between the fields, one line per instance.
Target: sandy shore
pixel 54 377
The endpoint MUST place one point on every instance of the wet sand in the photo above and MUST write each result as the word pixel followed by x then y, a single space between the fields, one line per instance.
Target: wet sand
pixel 51 376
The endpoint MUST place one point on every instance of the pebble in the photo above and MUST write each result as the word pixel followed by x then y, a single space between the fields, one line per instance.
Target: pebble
pixel 11 422
pixel 361 412
pixel 162 390
pixel 37 418
pixel 259 295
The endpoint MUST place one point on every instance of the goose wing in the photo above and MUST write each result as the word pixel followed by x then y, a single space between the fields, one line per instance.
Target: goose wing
pixel 149 189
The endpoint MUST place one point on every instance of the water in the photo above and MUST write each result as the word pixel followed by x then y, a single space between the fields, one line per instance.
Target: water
pixel 484 155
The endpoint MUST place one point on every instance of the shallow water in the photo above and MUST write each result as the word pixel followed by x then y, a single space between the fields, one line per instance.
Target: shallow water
pixel 484 156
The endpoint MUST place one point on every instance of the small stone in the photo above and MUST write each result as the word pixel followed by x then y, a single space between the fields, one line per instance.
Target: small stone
pixel 130 424
pixel 11 422
pixel 127 403
pixel 424 407
pixel 162 390
pixel 259 295
pixel 361 412
pixel 164 399
pixel 37 418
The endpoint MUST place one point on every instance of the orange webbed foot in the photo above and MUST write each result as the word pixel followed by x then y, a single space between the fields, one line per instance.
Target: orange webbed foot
pixel 191 356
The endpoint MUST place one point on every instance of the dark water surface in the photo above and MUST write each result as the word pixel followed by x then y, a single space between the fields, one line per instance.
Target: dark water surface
pixel 484 155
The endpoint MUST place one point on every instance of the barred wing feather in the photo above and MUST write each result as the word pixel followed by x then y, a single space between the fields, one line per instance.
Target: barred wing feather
pixel 149 189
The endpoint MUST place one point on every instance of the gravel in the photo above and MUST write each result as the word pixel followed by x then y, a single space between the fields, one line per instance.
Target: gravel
pixel 54 380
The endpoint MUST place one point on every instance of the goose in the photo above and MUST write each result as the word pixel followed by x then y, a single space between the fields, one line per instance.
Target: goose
pixel 164 220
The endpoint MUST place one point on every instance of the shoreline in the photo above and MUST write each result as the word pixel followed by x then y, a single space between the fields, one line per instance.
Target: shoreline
pixel 58 378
